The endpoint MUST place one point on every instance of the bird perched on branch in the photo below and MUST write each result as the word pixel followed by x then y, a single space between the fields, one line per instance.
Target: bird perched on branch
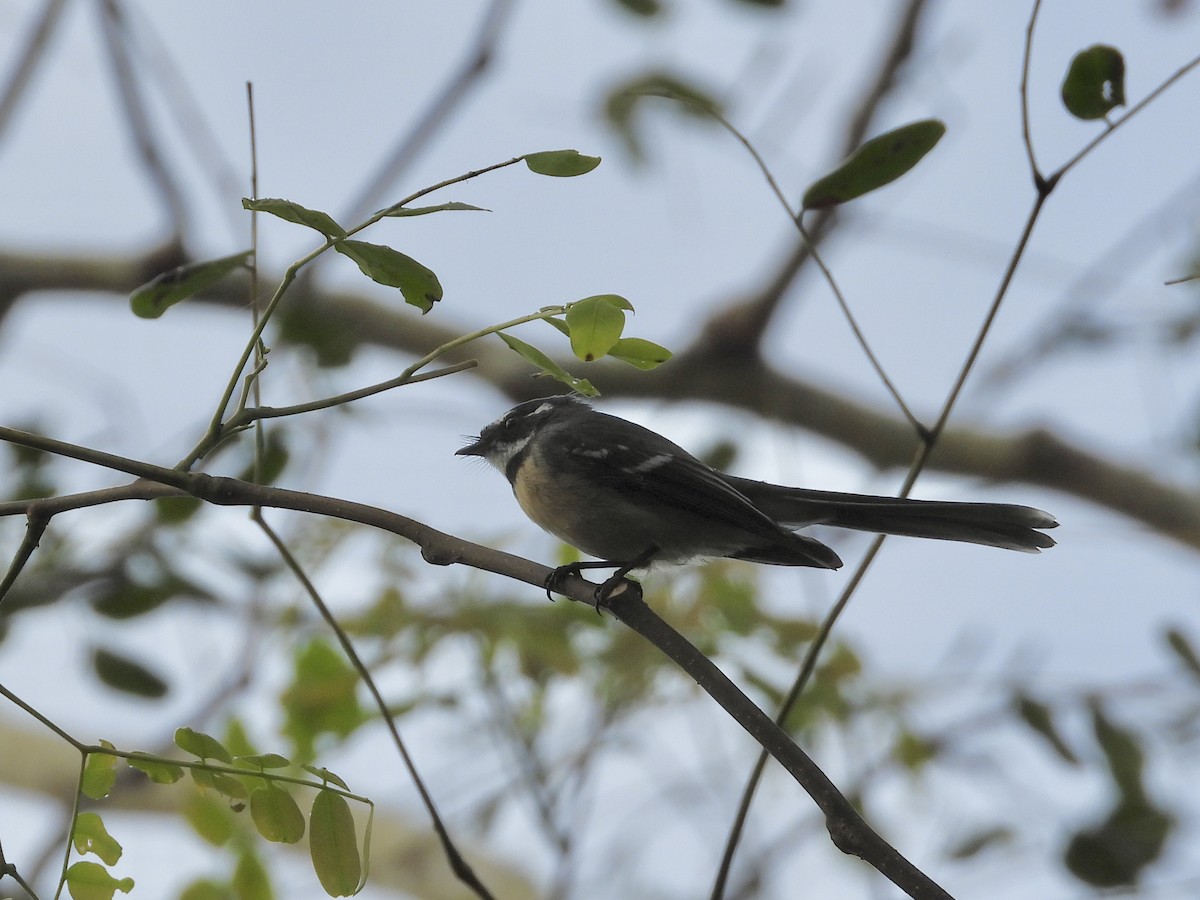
pixel 630 497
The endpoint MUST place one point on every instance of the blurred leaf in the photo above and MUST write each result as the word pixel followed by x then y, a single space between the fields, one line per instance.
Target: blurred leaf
pixel 974 844
pixel 91 881
pixel 157 770
pixel 644 8
pixel 125 674
pixel 331 337
pixel 333 844
pixel 1039 718
pixel 876 163
pixel 276 815
pixel 1183 649
pixel 1115 852
pixel 99 773
pixel 547 366
pixel 1123 752
pixel 1095 82
pixel 625 99
pixel 155 297
pixel 402 211
pixel 419 285
pixel 263 761
pixel 211 818
pixel 272 462
pixel 595 324
pixel 206 889
pixel 561 163
pixel 201 745
pixel 322 698
pixel 294 212
pixel 176 510
pixel 90 836
pixel 639 353
pixel 250 879
pixel 913 751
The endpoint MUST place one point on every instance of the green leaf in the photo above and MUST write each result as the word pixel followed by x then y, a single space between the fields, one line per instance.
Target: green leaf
pixel 201 745
pixel 1183 649
pixel 155 297
pixel 1095 82
pixel 419 285
pixel 913 751
pixel 641 354
pixel 294 212
pixel 976 842
pixel 160 771
pixel 596 324
pixel 250 880
pixel 548 366
pixel 90 836
pixel 401 211
pixel 561 163
pixel 264 761
pixel 1117 850
pixel 1040 719
pixel 99 773
pixel 211 818
pixel 876 163
pixel 91 881
pixel 276 815
pixel 221 782
pixel 558 323
pixel 326 775
pixel 322 698
pixel 333 845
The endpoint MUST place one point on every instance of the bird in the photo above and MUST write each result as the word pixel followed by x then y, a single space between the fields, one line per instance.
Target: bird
pixel 630 497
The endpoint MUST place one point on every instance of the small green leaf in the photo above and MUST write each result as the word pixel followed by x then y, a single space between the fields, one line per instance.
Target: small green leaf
pixel 224 784
pixel 558 323
pixel 419 285
pixel 976 842
pixel 1040 719
pixel 90 836
pixel 1116 851
pixel 211 818
pixel 333 845
pixel 294 212
pixel 276 815
pixel 1123 752
pixel 155 297
pixel 876 163
pixel 548 366
pixel 160 771
pixel 91 881
pixel 561 163
pixel 1095 82
pixel 99 773
pixel 264 761
pixel 596 324
pixel 326 775
pixel 401 211
pixel 640 353
pixel 201 745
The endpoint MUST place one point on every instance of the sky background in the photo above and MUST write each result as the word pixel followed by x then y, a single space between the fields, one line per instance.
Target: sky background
pixel 691 228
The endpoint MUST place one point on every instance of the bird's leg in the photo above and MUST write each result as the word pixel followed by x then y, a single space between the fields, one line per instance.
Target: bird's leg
pixel 605 588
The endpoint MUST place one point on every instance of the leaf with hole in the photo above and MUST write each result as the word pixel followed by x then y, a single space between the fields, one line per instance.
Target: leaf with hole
pixel 155 297
pixel 595 324
pixel 419 285
pixel 1095 82
pixel 876 163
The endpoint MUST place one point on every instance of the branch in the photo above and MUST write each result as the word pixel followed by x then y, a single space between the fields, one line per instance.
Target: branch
pixel 850 833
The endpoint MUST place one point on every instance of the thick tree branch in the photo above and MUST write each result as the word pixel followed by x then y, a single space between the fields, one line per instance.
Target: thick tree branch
pixel 743 382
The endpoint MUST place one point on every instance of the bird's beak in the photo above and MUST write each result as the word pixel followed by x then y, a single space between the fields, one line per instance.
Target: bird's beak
pixel 472 449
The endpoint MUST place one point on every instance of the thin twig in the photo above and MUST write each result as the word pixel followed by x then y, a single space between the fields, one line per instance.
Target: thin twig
pixel 31 55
